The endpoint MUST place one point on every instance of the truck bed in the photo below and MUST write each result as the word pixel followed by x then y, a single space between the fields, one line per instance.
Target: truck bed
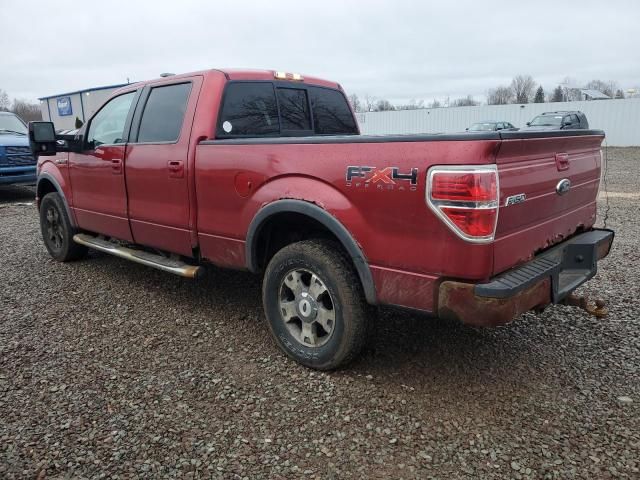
pixel 403 240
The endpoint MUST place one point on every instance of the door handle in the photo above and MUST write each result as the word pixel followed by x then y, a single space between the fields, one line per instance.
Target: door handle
pixel 176 168
pixel 116 166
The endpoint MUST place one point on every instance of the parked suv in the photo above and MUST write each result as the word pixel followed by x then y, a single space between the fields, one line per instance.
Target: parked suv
pixel 570 120
pixel 17 164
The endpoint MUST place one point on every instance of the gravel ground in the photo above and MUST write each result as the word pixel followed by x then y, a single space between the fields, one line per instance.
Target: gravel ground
pixel 110 369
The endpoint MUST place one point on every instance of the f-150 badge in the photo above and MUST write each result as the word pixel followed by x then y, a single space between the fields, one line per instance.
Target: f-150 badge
pixel 387 178
pixel 513 199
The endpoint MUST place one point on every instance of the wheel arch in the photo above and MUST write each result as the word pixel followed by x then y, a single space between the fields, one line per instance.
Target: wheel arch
pixel 47 183
pixel 315 214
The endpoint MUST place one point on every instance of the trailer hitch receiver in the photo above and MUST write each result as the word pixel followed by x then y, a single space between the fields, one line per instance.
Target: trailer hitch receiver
pixel 597 308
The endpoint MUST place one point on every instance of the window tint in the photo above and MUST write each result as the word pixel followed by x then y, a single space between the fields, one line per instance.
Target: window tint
pixel 331 113
pixel 107 127
pixel 163 113
pixel 294 109
pixel 249 109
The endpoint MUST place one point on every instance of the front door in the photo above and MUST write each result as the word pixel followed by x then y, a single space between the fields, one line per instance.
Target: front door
pixel 158 166
pixel 99 197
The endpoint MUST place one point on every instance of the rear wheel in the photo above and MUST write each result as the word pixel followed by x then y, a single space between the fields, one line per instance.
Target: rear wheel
pixel 314 304
pixel 57 231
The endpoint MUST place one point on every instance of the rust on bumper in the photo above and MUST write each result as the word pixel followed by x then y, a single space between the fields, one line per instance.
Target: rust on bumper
pixel 457 301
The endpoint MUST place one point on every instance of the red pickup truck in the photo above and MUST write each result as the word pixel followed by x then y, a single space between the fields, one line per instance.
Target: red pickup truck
pixel 266 171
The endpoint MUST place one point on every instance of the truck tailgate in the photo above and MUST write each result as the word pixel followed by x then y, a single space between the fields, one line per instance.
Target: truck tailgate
pixel 534 212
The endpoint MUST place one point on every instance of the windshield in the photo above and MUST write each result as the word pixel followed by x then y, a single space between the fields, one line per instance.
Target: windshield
pixel 482 127
pixel 547 121
pixel 12 124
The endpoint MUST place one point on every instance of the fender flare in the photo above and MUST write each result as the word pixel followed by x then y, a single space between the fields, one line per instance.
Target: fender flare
pixel 327 220
pixel 56 185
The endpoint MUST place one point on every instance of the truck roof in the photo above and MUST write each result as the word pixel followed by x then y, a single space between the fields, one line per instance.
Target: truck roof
pixel 244 74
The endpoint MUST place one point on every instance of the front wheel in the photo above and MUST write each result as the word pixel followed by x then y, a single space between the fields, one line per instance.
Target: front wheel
pixel 314 304
pixel 57 231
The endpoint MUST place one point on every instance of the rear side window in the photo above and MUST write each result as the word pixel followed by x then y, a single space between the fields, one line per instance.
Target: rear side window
pixel 249 109
pixel 331 113
pixel 294 109
pixel 163 113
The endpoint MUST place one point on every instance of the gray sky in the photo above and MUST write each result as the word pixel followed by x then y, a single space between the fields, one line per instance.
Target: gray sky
pixel 389 49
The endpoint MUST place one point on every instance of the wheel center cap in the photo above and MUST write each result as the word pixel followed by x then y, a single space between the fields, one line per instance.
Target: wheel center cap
pixel 307 307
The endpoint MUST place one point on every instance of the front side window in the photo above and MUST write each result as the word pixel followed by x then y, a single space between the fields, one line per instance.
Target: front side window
pixel 163 113
pixel 331 113
pixel 249 109
pixel 294 109
pixel 107 127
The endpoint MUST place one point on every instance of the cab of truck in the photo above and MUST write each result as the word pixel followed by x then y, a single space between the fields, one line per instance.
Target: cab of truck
pixel 17 163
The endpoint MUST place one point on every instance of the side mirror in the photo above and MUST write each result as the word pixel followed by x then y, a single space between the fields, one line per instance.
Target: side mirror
pixel 528 124
pixel 467 128
pixel 42 138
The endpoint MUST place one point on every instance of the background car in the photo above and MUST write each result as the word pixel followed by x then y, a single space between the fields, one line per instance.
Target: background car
pixel 491 126
pixel 17 164
pixel 559 121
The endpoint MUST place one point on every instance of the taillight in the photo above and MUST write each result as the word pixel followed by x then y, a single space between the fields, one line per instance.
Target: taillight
pixel 466 199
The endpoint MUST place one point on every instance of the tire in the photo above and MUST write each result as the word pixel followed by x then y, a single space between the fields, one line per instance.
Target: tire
pixel 314 304
pixel 57 231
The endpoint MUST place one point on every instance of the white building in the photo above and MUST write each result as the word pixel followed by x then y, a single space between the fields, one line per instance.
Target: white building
pixel 63 109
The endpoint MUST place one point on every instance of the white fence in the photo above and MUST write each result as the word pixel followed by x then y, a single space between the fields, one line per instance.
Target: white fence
pixel 620 119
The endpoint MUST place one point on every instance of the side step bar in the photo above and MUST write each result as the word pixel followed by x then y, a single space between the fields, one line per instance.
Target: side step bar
pixel 165 264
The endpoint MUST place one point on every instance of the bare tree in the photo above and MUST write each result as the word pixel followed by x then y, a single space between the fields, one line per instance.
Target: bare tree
pixel 384 105
pixel 355 102
pixel 369 103
pixel 5 103
pixel 26 110
pixel 435 104
pixel 608 88
pixel 522 86
pixel 500 96
pixel 467 101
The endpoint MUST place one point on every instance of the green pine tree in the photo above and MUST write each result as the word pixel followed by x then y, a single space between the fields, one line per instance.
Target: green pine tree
pixel 557 95
pixel 539 98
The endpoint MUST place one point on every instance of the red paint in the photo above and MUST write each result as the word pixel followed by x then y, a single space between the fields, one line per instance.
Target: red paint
pixel 99 192
pixel 186 195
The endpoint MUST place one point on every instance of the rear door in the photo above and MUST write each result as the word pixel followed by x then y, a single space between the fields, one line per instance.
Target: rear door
pixel 548 189
pixel 158 165
pixel 99 197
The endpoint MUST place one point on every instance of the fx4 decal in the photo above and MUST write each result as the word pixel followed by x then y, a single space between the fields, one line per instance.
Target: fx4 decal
pixel 387 178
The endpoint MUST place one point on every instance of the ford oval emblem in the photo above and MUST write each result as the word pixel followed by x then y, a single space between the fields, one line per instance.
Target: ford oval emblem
pixel 563 186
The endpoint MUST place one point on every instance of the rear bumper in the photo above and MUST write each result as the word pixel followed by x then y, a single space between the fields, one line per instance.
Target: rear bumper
pixel 549 278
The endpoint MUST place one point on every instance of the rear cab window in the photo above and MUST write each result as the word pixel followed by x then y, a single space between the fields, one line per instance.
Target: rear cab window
pixel 277 109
